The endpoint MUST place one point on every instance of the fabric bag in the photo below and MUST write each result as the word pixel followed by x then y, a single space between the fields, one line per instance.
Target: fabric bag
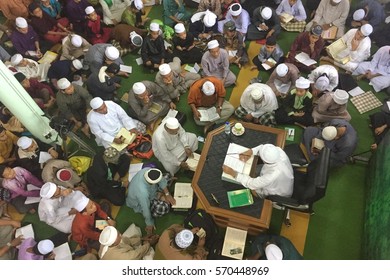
pixel 80 164
pixel 141 147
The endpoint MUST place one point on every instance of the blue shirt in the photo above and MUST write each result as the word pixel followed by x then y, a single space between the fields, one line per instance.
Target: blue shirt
pixel 54 10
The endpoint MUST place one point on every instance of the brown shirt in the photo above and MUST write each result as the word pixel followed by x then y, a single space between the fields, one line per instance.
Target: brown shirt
pixel 199 99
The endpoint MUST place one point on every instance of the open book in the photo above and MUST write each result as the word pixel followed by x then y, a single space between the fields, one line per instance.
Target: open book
pixel 62 252
pixel 266 66
pixel 193 161
pixel 127 135
pixel 209 115
pixel 339 51
pixel 155 108
pixel 232 160
pixel 191 69
pixel 126 68
pixel 30 199
pixel 171 114
pixel 183 195
pixel 285 17
pixel 48 57
pixel 234 243
pixel 305 59
pixel 26 231
pixel 329 34
pixel 101 224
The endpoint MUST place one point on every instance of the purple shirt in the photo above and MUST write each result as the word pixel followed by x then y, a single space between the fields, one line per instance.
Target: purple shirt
pixel 24 255
pixel 18 185
pixel 24 42
pixel 75 12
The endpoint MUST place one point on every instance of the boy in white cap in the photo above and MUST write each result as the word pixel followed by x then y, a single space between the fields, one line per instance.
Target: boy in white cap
pixel 172 145
pixel 339 136
pixel 133 15
pixel 257 104
pixel 74 47
pixel 265 23
pixel 96 33
pixel 327 71
pixel 215 63
pixel 69 69
pixel 29 67
pixel 233 42
pixel 239 16
pixel 369 11
pixel 283 78
pixel 146 189
pixel 100 55
pixel 184 46
pixel 33 250
pixel 295 9
pixel 276 176
pixel 331 105
pixel 205 27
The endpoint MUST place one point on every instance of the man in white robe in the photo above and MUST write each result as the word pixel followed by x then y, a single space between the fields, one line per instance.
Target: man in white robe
pixel 327 71
pixel 172 145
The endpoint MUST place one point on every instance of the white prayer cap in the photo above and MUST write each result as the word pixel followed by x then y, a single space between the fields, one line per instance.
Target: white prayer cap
pixel 273 252
pixel 322 83
pixel 340 96
pixel 89 10
pixel 269 153
pixel 107 237
pixel 266 13
pixel 139 88
pixel 208 88
pixel 77 64
pixel 212 44
pixel 366 29
pixel 21 22
pixel 184 238
pixel 209 19
pixel 336 1
pixel 16 59
pixel 63 83
pixel 136 39
pixel 235 9
pixel 45 246
pixel 358 15
pixel 48 190
pixel 282 70
pixel 76 40
pixel 179 28
pixel 164 69
pixel 257 94
pixel 172 123
pixel 96 103
pixel 154 26
pixel 138 4
pixel 111 53
pixel 153 176
pixel 81 203
pixel 302 82
pixel 24 142
pixel 329 133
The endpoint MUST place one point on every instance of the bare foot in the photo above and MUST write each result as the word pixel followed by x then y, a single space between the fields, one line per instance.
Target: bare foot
pixel 374 146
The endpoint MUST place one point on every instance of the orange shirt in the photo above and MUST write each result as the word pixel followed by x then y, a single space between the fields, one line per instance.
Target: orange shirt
pixel 199 99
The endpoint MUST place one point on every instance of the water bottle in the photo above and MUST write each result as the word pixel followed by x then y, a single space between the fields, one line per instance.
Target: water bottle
pixel 227 128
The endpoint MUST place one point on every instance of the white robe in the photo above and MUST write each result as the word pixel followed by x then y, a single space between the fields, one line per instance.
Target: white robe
pixel 34 70
pixel 267 105
pixel 329 71
pixel 115 11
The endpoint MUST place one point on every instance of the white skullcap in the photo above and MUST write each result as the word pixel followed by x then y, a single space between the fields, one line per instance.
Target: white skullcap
pixel 358 15
pixel 24 142
pixel 139 88
pixel 208 88
pixel 209 19
pixel 273 252
pixel 138 4
pixel 235 9
pixel 21 22
pixel 212 44
pixel 164 69
pixel 77 64
pixel 321 83
pixel 81 203
pixel 179 28
pixel 154 26
pixel 340 96
pixel 366 29
pixel 172 123
pixel 111 53
pixel 282 70
pixel 266 13
pixel 184 238
pixel 336 1
pixel 136 39
pixel 96 103
pixel 302 82
pixel 63 83
pixel 329 133
pixel 89 10
pixel 269 153
pixel 76 41
pixel 45 246
pixel 153 176
pixel 257 94
pixel 16 59
pixel 107 237
pixel 48 190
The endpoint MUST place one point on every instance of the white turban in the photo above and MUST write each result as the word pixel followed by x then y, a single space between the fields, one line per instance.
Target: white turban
pixel 208 88
pixel 154 26
pixel 282 70
pixel 257 94
pixel 77 64
pixel 48 190
pixel 184 238
pixel 24 142
pixel 269 153
pixel 111 53
pixel 172 123
pixel 235 9
pixel 329 133
pixel 358 15
pixel 366 29
pixel 89 10
pixel 76 41
pixel 179 28
pixel 107 237
pixel 96 103
pixel 321 83
pixel 336 1
pixel 266 13
pixel 153 176
pixel 302 82
pixel 273 252
pixel 63 83
pixel 21 22
pixel 16 59
pixel 164 69
pixel 81 203
pixel 139 88
pixel 340 96
pixel 136 39
pixel 209 19
pixel 212 44
pixel 139 5
pixel 45 246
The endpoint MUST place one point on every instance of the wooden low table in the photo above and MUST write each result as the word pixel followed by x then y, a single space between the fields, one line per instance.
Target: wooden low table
pixel 207 180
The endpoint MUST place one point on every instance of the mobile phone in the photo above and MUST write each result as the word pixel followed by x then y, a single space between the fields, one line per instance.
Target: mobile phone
pixel 235 251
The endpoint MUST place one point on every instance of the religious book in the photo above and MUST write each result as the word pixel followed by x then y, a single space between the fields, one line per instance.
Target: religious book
pixel 48 57
pixel 125 68
pixel 171 114
pixel 193 161
pixel 128 139
pixel 317 144
pixel 234 243
pixel 339 51
pixel 240 198
pixel 30 199
pixel 133 169
pixel 209 115
pixel 329 34
pixel 286 18
pixel 101 224
pixel 305 59
pixel 62 252
pixel 27 232
pixel 233 161
pixel 356 91
pixel 266 66
pixel 155 108
pixel 184 195
pixel 191 69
